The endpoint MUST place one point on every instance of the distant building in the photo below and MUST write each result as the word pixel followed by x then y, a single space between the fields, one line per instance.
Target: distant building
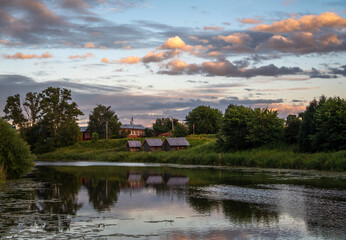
pixel 133 146
pixel 85 135
pixel 135 130
pixel 152 145
pixel 166 134
pixel 175 144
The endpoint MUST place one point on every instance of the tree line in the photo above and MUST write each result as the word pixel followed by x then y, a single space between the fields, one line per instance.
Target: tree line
pixel 48 120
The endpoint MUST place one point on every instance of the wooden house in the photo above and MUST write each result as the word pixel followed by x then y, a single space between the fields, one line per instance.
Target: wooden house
pixel 152 145
pixel 85 135
pixel 166 134
pixel 175 144
pixel 133 146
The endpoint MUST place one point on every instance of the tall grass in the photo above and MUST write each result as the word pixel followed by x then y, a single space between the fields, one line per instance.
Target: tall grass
pixel 202 151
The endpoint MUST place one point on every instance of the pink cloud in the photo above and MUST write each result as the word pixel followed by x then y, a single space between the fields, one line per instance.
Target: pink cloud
pixel 105 60
pixel 27 56
pixel 87 55
pixel 249 20
pixel 213 28
pixel 237 38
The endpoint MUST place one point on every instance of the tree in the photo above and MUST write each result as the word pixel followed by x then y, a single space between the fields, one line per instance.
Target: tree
pixel 15 156
pixel 163 125
pixel 244 127
pixel 148 132
pixel 57 112
pixel 206 120
pixel 330 124
pixel 14 111
pixel 180 130
pixel 99 117
pixel 32 107
pixel 291 130
pixel 324 125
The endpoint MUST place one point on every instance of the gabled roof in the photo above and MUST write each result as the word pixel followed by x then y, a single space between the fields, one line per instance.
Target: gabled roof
pixel 176 142
pixel 156 142
pixel 132 126
pixel 134 143
pixel 83 129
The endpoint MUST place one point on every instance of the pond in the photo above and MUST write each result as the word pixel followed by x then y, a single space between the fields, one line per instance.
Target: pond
pixel 86 200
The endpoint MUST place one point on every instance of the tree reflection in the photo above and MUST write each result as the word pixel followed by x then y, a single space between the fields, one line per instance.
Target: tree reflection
pixel 102 193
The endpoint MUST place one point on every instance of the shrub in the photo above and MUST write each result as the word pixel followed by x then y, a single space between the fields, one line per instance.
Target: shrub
pixel 15 156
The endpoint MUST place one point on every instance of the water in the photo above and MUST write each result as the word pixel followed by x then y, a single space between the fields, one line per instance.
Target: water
pixel 140 201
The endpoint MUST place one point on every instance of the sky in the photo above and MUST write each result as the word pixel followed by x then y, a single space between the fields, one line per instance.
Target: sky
pixel 157 58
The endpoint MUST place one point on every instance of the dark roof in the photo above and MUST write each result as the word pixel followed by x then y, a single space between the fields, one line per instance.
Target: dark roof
pixel 175 142
pixel 132 126
pixel 156 142
pixel 134 143
pixel 83 129
pixel 154 180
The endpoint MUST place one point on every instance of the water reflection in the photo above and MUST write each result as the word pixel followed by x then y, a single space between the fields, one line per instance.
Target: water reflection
pixel 171 203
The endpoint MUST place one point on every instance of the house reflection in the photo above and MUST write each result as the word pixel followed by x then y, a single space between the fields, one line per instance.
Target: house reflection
pixel 138 180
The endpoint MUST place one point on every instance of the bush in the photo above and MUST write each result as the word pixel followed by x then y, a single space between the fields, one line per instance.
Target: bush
pixel 15 156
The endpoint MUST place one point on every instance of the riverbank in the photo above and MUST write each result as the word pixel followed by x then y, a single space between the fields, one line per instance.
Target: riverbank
pixel 201 152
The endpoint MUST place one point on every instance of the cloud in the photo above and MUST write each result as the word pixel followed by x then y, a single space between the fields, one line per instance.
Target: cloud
pixel 287 109
pixel 27 56
pixel 341 71
pixel 249 20
pixel 330 39
pixel 4 42
pixel 87 55
pixel 213 28
pixel 130 60
pixel 89 45
pixel 105 60
pixel 236 38
pixel 160 56
pixel 311 23
pixel 176 43
pixel 177 66
pixel 120 42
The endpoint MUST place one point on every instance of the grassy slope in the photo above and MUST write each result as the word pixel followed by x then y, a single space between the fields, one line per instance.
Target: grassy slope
pixel 202 151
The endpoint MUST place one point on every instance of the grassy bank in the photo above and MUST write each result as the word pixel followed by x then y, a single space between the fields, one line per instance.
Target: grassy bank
pixel 201 152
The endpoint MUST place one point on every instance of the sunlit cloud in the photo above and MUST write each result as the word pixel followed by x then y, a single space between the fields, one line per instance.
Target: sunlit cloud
pixel 105 60
pixel 213 28
pixel 89 45
pixel 27 56
pixel 234 38
pixel 249 20
pixel 130 60
pixel 309 23
pixel 87 55
pixel 159 56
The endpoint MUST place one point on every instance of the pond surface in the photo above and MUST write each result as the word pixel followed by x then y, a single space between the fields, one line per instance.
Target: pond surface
pixel 88 200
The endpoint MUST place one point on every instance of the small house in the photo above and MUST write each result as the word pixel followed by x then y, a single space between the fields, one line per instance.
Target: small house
pixel 166 134
pixel 175 144
pixel 133 146
pixel 85 135
pixel 152 145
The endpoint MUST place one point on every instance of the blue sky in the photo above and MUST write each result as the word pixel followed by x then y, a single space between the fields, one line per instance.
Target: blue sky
pixel 150 59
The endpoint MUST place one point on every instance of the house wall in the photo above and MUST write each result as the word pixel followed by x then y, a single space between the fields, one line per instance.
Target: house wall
pixel 155 149
pixel 134 133
pixel 133 149
pixel 146 147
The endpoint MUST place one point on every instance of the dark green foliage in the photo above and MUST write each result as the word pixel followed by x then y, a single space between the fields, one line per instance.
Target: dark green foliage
pixel 324 125
pixel 180 130
pixel 206 120
pixel 163 125
pixel 244 128
pixel 94 136
pixel 14 112
pixel 148 132
pixel 52 118
pixel 32 107
pixel 291 130
pixel 15 156
pixel 124 133
pixel 99 117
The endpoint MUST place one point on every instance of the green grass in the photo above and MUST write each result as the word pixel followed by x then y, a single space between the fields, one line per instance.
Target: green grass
pixel 201 152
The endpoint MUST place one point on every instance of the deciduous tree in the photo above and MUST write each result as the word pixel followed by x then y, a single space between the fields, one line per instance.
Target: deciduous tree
pixel 204 120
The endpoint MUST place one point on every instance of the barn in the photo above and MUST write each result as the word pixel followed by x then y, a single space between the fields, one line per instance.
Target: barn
pixel 152 145
pixel 133 146
pixel 175 144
